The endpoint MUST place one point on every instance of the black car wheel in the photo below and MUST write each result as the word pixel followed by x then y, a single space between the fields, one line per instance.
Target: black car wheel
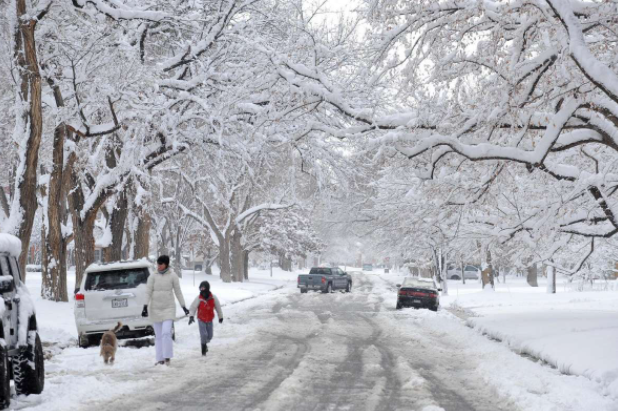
pixel 348 287
pixel 303 291
pixel 398 307
pixel 29 379
pixel 5 379
pixel 83 341
pixel 455 277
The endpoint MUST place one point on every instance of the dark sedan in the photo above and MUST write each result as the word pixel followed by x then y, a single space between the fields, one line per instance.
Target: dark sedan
pixel 418 293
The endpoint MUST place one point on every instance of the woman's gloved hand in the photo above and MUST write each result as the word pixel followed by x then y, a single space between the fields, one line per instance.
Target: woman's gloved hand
pixel 145 311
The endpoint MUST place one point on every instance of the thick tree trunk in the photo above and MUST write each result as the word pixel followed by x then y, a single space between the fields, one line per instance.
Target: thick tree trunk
pixel 142 235
pixel 29 127
pixel 55 247
pixel 224 259
pixel 532 274
pixel 84 244
pixel 117 220
pixel 246 263
pixel 237 257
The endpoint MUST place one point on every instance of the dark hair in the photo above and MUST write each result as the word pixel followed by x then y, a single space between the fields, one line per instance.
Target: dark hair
pixel 164 259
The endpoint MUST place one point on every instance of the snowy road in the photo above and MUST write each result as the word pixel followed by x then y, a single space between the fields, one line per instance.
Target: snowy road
pixel 324 352
pixel 289 351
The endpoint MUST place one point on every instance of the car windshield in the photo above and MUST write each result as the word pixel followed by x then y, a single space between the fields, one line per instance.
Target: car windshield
pixel 418 283
pixel 117 279
pixel 320 270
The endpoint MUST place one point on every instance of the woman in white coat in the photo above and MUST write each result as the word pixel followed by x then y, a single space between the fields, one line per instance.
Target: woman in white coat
pixel 161 307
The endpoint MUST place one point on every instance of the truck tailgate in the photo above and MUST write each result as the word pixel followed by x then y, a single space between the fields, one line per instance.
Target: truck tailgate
pixel 310 280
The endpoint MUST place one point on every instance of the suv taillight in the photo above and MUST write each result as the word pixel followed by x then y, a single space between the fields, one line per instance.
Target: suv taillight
pixel 323 280
pixel 79 300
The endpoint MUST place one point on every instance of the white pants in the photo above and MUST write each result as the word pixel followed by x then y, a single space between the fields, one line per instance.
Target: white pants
pixel 163 339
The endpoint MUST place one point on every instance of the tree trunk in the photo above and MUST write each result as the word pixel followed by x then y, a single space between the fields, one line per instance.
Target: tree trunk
pixel 55 247
pixel 117 220
pixel 142 235
pixel 208 261
pixel 237 257
pixel 487 275
pixel 551 279
pixel 28 130
pixel 84 244
pixel 443 276
pixel 178 252
pixel 224 259
pixel 246 263
pixel 532 274
pixel 45 274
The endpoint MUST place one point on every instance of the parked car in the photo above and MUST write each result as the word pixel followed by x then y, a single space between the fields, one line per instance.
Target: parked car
pixel 21 351
pixel 471 272
pixel 325 279
pixel 418 293
pixel 110 293
pixel 367 267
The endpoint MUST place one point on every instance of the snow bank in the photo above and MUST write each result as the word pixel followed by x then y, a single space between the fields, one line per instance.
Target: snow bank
pixel 575 332
pixel 10 244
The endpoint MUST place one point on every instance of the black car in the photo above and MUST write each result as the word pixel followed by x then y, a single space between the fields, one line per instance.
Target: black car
pixel 418 293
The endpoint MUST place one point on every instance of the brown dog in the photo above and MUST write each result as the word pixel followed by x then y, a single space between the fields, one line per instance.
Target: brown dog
pixel 109 344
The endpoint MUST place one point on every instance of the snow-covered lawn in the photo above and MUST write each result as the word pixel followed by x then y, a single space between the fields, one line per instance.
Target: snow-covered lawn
pixel 576 332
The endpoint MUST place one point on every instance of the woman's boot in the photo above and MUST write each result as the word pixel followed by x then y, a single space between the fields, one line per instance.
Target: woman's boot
pixel 204 349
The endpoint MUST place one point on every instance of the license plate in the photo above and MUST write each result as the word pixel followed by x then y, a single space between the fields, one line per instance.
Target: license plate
pixel 416 301
pixel 120 303
pixel 316 286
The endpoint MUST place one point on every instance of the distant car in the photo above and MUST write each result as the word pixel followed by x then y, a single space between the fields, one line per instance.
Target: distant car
pixel 367 267
pixel 355 272
pixel 325 279
pixel 263 266
pixel 418 293
pixel 471 272
pixel 110 293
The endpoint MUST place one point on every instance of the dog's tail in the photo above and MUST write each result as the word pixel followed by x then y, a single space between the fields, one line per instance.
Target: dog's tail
pixel 117 327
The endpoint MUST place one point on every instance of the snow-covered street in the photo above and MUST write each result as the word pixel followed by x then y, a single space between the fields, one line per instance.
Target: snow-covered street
pixel 285 350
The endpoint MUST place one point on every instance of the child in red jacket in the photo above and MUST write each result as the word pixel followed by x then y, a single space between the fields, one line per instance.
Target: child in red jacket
pixel 205 305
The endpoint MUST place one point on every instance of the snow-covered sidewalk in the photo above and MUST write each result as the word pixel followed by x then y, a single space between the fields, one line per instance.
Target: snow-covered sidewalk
pixel 575 332
pixel 80 373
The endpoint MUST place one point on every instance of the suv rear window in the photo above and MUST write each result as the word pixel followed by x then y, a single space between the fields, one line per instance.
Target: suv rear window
pixel 117 279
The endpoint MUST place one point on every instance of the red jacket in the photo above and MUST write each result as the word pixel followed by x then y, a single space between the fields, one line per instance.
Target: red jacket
pixel 206 308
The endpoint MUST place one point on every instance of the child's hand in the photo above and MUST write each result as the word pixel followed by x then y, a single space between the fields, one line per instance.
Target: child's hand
pixel 191 320
pixel 220 320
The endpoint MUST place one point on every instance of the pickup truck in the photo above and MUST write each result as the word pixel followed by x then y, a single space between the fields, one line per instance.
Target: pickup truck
pixel 325 279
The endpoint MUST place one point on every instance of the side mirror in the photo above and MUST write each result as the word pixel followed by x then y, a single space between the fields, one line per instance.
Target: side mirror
pixel 7 284
pixel 398 285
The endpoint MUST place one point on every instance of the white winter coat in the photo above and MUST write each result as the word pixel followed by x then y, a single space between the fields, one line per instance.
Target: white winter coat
pixel 160 290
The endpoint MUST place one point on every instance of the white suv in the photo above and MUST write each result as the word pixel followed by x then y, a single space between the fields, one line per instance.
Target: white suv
pixel 471 272
pixel 110 293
